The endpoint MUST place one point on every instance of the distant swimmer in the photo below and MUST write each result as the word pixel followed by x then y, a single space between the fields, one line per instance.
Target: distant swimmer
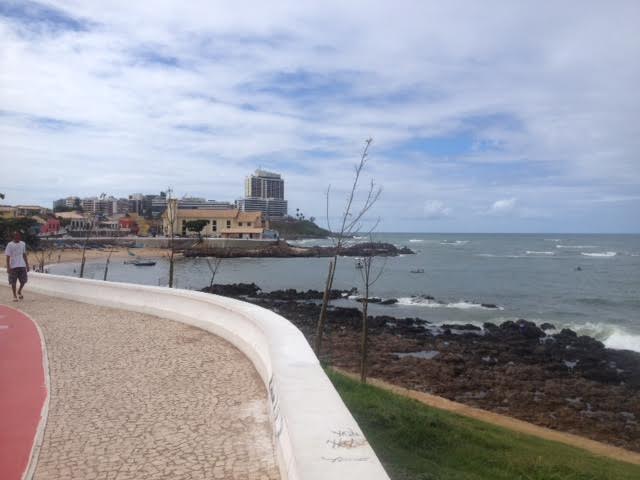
pixel 578 269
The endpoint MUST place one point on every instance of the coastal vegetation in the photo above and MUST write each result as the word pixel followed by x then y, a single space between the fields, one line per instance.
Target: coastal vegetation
pixel 418 442
pixel 294 229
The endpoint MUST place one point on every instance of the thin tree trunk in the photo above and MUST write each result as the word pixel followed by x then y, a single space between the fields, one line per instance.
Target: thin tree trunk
pixel 171 267
pixel 106 267
pixel 363 346
pixel 83 260
pixel 325 303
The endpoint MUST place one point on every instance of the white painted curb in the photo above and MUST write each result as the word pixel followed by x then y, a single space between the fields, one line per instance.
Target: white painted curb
pixel 315 434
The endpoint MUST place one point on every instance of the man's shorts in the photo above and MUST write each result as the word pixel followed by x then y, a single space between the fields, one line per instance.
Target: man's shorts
pixel 19 273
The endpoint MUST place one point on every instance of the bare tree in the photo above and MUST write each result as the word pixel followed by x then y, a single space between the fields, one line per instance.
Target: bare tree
pixel 106 265
pixel 350 223
pixel 89 230
pixel 44 255
pixel 369 278
pixel 213 267
pixel 172 213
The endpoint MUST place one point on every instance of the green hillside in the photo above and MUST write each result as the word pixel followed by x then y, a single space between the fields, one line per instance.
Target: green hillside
pixel 292 229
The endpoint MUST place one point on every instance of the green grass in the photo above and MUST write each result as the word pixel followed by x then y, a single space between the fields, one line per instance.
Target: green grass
pixel 414 441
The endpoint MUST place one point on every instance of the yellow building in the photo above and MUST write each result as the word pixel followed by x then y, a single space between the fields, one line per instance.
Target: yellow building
pixel 230 223
pixel 7 211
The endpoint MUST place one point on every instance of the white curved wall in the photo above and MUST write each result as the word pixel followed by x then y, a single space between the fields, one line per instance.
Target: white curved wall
pixel 316 436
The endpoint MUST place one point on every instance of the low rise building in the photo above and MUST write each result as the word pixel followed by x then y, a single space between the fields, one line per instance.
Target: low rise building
pixel 270 207
pixel 31 210
pixel 7 211
pixel 229 223
pixel 51 227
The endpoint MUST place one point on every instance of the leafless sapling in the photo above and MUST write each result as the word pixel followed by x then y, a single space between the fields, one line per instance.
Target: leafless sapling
pixel 350 223
pixel 369 278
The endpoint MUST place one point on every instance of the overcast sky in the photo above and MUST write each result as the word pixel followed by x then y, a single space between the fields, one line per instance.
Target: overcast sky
pixel 486 116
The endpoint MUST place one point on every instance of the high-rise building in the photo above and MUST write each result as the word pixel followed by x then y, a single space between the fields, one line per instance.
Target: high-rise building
pixel 264 192
pixel 263 184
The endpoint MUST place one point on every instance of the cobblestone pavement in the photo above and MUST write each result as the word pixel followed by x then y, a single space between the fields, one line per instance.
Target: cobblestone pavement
pixel 138 397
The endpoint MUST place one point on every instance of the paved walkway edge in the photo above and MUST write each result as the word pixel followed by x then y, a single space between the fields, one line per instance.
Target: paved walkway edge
pixel 25 382
pixel 592 446
pixel 316 436
pixel 44 414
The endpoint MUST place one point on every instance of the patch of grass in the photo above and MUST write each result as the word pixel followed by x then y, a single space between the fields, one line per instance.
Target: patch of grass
pixel 415 441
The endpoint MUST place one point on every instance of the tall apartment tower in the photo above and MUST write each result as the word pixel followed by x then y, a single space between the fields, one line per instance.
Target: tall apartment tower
pixel 264 192
pixel 263 184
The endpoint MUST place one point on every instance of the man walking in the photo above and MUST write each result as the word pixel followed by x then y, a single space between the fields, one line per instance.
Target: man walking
pixel 17 264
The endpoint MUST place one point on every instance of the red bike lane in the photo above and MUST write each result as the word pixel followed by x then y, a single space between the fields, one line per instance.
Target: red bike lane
pixel 22 391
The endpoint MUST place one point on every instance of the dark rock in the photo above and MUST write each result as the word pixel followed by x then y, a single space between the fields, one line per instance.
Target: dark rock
pixel 234 289
pixel 548 326
pixel 389 301
pixel 467 326
pixel 489 305
pixel 529 329
pixel 565 333
pixel 371 300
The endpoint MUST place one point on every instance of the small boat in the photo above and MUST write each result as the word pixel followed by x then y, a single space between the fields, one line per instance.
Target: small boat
pixel 140 262
pixel 359 263
pixel 143 263
pixel 417 270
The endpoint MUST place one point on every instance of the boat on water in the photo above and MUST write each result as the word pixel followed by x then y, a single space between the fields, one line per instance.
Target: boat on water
pixel 144 263
pixel 417 270
pixel 359 263
pixel 141 262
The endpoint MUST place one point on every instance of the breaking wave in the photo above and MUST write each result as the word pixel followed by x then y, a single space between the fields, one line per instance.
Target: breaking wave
pixel 576 246
pixel 623 341
pixel 454 242
pixel 610 335
pixel 432 303
pixel 416 240
pixel 532 252
pixel 599 254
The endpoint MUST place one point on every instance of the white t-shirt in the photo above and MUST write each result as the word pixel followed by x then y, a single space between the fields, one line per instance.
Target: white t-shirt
pixel 15 252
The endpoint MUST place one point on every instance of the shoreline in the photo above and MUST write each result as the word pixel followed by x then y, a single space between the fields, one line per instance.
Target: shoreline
pixel 74 255
pixel 552 379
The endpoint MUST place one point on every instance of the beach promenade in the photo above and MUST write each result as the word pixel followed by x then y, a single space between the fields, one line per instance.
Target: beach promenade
pixel 133 396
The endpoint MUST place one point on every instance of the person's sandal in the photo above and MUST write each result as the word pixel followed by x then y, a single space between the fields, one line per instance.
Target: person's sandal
pixel 20 297
pixel 15 300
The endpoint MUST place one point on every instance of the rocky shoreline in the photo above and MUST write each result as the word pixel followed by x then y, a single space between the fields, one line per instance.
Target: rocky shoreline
pixel 551 378
pixel 283 250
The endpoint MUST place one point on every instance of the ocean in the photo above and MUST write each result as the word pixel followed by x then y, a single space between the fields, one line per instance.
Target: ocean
pixel 589 283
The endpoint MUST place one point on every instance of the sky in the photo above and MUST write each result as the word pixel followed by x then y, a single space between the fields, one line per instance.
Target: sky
pixel 492 116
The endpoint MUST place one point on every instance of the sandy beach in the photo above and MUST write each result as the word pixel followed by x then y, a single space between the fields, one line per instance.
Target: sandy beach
pixel 70 255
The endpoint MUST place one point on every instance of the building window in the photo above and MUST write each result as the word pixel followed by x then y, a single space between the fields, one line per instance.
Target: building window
pixel 239 224
pixel 214 225
pixel 248 224
pixel 228 223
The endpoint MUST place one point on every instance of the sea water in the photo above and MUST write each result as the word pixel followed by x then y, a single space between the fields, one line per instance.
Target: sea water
pixel 589 283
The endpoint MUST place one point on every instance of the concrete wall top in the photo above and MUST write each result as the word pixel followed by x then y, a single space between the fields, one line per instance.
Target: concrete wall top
pixel 316 436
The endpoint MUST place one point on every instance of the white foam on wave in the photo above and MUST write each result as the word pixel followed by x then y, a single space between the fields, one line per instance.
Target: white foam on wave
pixel 551 239
pixel 427 302
pixel 416 240
pixel 532 252
pixel 455 242
pixel 623 341
pixel 599 254
pixel 611 335
pixel 576 246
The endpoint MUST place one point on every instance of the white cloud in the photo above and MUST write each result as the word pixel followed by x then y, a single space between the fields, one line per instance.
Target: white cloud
pixel 198 94
pixel 434 209
pixel 504 206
